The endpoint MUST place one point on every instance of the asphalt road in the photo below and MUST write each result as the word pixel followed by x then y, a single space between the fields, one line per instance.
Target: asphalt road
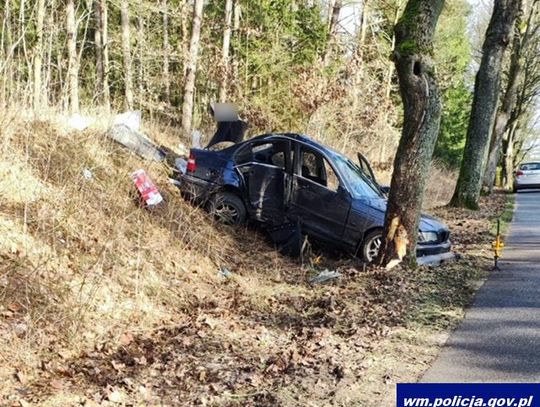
pixel 499 339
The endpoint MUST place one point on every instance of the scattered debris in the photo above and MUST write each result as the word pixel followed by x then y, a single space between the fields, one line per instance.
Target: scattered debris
pixel 131 119
pixel 224 272
pixel 181 165
pixel 146 188
pixel 325 276
pixel 87 174
pixel 136 141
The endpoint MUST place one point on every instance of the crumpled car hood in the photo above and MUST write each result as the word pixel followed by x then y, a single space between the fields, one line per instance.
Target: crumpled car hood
pixel 427 222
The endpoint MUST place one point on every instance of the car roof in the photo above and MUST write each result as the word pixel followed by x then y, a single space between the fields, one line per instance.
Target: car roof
pixel 298 137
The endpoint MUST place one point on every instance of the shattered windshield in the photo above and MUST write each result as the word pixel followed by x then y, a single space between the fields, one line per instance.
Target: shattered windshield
pixel 359 184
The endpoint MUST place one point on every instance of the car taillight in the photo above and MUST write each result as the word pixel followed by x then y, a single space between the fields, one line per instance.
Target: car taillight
pixel 191 164
pixel 519 173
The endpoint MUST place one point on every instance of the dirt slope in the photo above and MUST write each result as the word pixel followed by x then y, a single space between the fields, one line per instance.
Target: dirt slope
pixel 105 303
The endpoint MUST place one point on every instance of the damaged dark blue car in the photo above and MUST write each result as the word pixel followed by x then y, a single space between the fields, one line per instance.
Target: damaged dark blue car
pixel 276 179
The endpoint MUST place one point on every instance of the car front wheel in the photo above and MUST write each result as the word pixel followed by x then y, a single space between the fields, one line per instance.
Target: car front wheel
pixel 227 208
pixel 371 246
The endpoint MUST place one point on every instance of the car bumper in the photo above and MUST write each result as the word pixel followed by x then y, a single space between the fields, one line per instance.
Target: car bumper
pixel 195 188
pixel 525 185
pixel 436 259
pixel 433 249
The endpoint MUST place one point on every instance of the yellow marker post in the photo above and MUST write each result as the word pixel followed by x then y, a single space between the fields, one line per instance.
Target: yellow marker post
pixel 497 246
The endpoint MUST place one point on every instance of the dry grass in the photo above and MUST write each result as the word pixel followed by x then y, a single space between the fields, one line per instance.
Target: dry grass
pixel 103 302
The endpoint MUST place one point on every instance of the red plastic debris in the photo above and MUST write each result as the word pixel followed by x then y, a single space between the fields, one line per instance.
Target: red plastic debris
pixel 146 188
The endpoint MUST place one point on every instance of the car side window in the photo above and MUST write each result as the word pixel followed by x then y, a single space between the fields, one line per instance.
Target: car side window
pixel 332 181
pixel 269 153
pixel 530 167
pixel 317 169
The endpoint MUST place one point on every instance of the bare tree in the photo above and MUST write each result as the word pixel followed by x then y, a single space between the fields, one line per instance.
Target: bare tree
pixel 189 86
pixel 73 60
pixel 225 51
pixel 38 56
pixel 502 121
pixel 101 38
pixel 140 54
pixel 334 12
pixel 166 53
pixel 484 105
pixel 422 116
pixel 525 106
pixel 126 54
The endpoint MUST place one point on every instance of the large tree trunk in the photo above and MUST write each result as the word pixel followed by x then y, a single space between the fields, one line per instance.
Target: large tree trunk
pixel 422 116
pixel 73 65
pixel 166 53
pixel 484 106
pixel 388 87
pixel 189 86
pixel 225 51
pixel 126 54
pixel 38 56
pixel 502 120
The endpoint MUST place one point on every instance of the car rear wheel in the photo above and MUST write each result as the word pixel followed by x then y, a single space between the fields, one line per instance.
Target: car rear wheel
pixel 227 208
pixel 371 246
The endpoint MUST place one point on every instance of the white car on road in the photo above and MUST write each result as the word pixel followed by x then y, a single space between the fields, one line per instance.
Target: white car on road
pixel 527 176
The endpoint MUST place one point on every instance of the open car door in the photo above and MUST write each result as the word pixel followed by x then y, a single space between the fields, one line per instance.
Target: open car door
pixel 267 177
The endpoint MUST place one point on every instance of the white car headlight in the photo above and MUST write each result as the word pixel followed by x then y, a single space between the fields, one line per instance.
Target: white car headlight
pixel 428 237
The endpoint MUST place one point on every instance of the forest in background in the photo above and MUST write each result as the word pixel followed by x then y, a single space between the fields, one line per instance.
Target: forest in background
pixel 319 67
pixel 322 67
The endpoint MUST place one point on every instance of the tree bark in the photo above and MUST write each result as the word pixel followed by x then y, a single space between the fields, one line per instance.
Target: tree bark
pixel 4 52
pixel 502 120
pixel 98 44
pixel 189 86
pixel 422 116
pixel 225 51
pixel 102 54
pixel 140 56
pixel 47 88
pixel 166 53
pixel 484 105
pixel 126 54
pixel 332 29
pixel 73 66
pixel 38 56
pixel 508 163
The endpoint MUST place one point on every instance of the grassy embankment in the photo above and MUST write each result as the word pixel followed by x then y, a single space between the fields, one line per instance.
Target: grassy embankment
pixel 104 303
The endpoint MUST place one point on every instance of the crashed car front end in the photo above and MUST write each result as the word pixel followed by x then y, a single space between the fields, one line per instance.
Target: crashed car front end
pixel 433 237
